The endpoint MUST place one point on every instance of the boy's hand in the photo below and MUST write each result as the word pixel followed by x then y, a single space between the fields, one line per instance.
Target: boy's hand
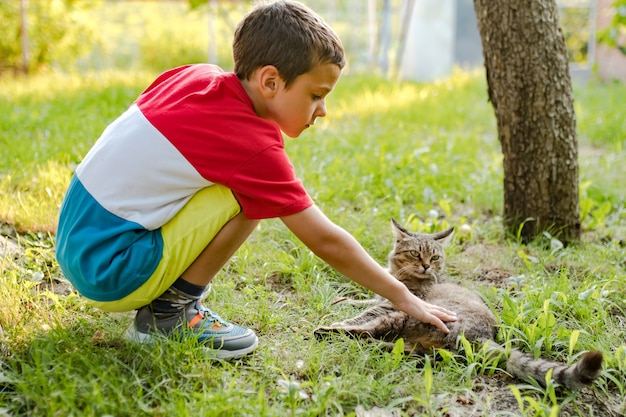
pixel 426 312
pixel 346 255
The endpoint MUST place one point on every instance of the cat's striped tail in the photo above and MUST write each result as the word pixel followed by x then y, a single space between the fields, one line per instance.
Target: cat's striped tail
pixel 573 377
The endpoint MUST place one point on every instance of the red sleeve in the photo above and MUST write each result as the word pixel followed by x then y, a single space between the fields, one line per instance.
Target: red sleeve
pixel 266 186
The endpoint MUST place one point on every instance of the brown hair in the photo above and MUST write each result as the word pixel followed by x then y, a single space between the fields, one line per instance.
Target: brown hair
pixel 289 36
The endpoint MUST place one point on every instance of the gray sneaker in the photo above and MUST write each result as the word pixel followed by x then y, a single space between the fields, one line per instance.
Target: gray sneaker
pixel 223 339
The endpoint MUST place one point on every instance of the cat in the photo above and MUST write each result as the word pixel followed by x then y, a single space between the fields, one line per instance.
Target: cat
pixel 418 260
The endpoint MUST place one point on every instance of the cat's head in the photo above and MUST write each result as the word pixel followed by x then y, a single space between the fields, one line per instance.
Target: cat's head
pixel 417 255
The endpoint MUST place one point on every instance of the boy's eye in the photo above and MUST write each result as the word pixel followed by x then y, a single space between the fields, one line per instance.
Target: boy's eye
pixel 316 97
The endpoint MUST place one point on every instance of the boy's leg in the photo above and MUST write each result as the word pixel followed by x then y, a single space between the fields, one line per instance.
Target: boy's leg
pixel 178 308
pixel 219 251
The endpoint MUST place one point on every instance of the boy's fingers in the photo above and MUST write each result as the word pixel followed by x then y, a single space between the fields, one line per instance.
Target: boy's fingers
pixel 444 314
pixel 440 325
pixel 430 313
pixel 440 316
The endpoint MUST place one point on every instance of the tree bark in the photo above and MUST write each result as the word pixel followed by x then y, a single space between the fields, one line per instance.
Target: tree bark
pixel 530 89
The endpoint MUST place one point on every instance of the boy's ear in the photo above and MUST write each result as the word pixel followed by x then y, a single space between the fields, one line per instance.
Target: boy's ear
pixel 269 80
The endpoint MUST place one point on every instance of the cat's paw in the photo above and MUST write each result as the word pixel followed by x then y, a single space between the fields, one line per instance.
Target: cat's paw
pixel 325 331
pixel 338 300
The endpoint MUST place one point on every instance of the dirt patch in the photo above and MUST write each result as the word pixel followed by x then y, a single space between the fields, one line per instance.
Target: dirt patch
pixel 492 396
pixel 60 287
pixel 489 396
pixel 491 264
pixel 9 248
pixel 279 282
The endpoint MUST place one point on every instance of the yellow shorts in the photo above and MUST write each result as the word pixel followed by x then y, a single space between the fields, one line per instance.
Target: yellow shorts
pixel 184 237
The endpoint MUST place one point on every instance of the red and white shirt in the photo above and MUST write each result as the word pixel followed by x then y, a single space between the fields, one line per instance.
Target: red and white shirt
pixel 194 126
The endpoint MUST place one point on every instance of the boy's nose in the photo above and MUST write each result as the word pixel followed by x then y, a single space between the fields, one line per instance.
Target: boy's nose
pixel 321 110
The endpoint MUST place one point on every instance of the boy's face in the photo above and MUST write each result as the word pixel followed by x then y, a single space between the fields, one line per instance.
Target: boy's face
pixel 296 108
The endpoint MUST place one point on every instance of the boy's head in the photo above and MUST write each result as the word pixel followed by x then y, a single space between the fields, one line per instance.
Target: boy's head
pixel 287 35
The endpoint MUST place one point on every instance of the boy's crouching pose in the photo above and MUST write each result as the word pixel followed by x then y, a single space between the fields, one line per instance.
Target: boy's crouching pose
pixel 179 181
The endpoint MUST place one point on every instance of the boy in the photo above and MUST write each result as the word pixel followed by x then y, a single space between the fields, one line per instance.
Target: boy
pixel 178 182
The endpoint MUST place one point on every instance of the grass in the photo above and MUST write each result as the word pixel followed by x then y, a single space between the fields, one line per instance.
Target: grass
pixel 426 154
pixel 48 124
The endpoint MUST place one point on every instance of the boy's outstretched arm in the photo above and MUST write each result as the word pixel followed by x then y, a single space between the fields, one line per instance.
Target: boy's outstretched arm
pixel 341 251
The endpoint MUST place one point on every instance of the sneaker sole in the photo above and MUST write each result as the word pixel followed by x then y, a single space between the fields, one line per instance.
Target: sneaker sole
pixel 144 338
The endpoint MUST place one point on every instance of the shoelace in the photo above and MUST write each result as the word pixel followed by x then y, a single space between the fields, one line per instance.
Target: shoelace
pixel 207 314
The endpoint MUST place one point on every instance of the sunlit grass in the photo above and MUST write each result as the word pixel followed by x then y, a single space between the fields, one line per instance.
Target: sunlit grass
pixel 48 86
pixel 426 154
pixel 31 206
pixel 606 128
pixel 58 116
pixel 383 97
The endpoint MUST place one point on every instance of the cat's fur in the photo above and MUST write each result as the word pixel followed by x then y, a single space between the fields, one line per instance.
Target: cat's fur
pixel 417 260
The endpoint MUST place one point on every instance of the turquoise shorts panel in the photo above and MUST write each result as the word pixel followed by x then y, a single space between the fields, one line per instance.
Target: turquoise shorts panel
pixel 184 238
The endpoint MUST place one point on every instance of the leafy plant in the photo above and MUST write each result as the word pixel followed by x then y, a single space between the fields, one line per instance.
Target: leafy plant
pixel 613 35
pixel 54 34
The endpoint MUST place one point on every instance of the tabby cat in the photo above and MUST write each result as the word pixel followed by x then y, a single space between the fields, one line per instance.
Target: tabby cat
pixel 417 260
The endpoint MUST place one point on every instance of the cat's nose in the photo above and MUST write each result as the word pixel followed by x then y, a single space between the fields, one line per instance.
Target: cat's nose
pixel 426 266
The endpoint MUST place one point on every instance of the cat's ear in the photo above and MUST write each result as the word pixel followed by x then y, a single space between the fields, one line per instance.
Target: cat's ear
pixel 399 230
pixel 444 238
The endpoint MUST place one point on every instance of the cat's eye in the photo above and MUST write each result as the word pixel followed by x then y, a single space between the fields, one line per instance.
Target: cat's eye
pixel 435 258
pixel 415 254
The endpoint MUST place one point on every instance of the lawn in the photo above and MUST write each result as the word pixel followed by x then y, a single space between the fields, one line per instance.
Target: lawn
pixel 426 154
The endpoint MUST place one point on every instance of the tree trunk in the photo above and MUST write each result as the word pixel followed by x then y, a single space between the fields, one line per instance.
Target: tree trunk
pixel 530 89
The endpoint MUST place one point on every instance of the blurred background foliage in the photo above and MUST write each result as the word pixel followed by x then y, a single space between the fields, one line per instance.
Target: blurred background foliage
pixel 55 33
pixel 81 35
pixel 615 34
